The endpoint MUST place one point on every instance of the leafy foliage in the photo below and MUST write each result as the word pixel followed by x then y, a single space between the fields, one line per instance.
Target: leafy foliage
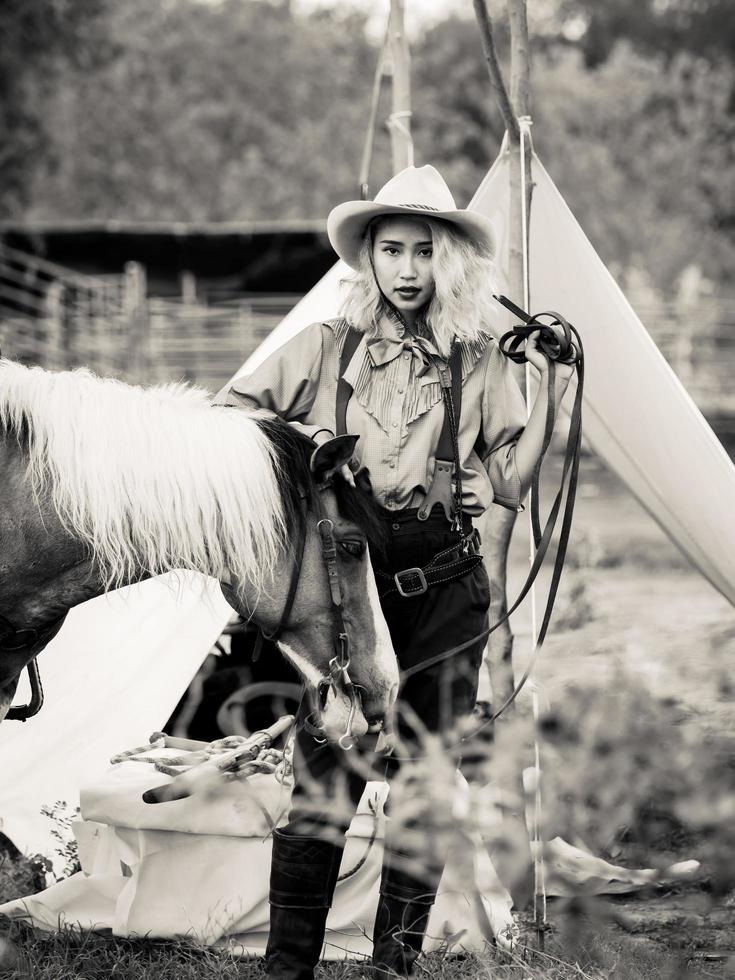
pixel 230 111
pixel 39 39
pixel 700 28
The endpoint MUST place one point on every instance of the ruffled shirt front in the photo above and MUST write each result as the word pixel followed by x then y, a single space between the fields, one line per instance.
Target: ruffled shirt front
pixel 397 410
pixel 374 377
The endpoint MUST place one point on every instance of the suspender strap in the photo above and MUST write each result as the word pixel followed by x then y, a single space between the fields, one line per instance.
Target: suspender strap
pixel 447 452
pixel 344 388
pixel 445 448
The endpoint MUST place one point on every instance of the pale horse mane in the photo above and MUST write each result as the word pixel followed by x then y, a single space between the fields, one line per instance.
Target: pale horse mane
pixel 151 479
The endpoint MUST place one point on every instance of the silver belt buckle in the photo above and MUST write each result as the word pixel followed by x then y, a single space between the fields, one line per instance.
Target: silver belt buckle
pixel 410 592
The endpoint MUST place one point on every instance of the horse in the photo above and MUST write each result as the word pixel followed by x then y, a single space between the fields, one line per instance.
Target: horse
pixel 105 484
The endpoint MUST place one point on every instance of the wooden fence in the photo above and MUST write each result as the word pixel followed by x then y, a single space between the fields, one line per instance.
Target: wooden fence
pixel 52 316
pixel 698 341
pixel 207 344
pixel 57 318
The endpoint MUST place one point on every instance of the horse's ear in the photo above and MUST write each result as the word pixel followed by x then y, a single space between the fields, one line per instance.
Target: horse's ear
pixel 331 455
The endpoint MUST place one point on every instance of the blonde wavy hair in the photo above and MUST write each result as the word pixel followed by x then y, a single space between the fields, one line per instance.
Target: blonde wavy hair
pixel 462 304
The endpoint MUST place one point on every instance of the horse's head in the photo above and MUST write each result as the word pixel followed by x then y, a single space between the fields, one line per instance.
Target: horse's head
pixel 323 602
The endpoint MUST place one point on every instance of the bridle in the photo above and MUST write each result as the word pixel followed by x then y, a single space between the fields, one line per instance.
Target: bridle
pixel 338 675
pixel 14 640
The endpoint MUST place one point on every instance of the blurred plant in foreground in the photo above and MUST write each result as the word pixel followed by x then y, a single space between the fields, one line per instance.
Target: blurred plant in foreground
pixel 622 777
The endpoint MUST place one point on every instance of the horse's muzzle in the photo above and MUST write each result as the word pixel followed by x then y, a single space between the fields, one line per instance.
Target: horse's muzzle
pixel 378 711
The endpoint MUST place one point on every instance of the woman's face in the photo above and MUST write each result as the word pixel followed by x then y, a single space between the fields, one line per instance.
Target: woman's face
pixel 402 260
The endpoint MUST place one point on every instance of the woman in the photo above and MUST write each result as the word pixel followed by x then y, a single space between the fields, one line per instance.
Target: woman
pixel 416 317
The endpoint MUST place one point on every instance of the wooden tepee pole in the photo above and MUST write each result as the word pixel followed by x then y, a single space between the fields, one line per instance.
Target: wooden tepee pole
pixel 399 121
pixel 520 93
pixel 498 526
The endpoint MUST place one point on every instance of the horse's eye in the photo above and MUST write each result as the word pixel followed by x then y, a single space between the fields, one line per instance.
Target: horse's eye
pixel 356 549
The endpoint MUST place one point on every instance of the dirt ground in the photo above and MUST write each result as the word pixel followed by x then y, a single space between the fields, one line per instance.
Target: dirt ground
pixel 635 603
pixel 630 600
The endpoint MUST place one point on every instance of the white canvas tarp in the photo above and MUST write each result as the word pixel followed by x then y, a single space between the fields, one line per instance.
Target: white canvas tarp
pixel 111 677
pixel 637 415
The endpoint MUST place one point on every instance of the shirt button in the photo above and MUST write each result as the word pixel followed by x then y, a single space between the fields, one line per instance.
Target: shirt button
pixel 396 527
pixel 395 425
pixel 392 465
pixel 406 357
pixel 400 391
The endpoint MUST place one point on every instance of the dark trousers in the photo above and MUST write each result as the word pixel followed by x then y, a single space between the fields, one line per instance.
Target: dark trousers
pixel 445 616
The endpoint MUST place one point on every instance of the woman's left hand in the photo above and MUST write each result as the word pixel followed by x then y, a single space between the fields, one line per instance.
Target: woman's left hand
pixel 536 357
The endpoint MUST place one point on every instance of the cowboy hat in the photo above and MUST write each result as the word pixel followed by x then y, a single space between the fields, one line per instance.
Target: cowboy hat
pixel 418 191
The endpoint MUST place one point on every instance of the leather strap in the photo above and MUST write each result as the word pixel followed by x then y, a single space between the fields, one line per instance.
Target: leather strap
pixel 22 712
pixel 447 461
pixel 344 388
pixel 292 586
pixel 445 449
pixel 556 338
pixel 18 639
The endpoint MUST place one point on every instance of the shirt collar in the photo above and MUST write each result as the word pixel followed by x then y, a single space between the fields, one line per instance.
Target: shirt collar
pixel 393 339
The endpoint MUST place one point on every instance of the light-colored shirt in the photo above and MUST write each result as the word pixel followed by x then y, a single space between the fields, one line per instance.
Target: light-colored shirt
pixel 397 409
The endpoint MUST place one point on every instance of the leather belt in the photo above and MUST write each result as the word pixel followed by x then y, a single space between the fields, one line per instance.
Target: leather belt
pixel 446 566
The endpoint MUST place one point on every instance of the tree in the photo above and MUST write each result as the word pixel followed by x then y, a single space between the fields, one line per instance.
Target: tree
pixel 39 38
pixel 212 113
pixel 641 146
pixel 705 28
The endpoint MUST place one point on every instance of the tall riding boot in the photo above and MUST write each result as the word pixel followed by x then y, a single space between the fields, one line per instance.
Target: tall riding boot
pixel 400 924
pixel 303 877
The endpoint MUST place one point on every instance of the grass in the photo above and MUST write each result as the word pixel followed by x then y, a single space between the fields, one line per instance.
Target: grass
pixel 601 956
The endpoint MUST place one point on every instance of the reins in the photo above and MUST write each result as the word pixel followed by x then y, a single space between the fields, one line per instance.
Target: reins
pixel 292 586
pixel 561 343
